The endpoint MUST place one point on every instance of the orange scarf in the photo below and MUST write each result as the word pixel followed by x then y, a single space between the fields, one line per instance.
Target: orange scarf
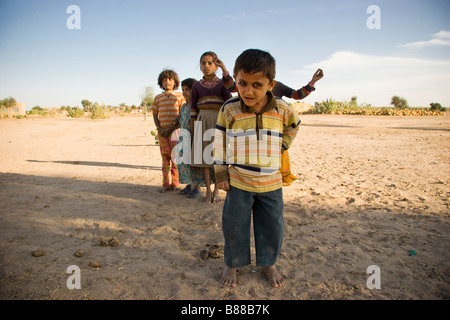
pixel 285 170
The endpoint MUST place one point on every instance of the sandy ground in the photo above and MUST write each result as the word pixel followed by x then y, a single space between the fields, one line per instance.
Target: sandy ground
pixel 370 190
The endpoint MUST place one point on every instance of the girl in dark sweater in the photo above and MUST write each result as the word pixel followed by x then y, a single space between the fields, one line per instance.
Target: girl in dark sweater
pixel 207 97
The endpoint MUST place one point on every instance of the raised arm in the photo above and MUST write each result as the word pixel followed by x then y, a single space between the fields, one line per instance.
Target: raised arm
pixel 227 80
pixel 281 90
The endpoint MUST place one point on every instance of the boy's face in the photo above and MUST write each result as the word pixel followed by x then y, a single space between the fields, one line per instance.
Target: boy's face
pixel 186 93
pixel 207 66
pixel 252 89
pixel 168 84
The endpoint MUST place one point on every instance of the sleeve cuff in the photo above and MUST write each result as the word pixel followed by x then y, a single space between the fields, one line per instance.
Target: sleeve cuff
pixel 221 173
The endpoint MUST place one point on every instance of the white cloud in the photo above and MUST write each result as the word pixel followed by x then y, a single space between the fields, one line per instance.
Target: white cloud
pixel 442 38
pixel 238 16
pixel 375 79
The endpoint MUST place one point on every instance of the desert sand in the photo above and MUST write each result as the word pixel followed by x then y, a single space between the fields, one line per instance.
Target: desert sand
pixel 370 191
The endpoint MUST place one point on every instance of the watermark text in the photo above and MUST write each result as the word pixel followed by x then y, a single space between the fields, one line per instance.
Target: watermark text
pixel 73 22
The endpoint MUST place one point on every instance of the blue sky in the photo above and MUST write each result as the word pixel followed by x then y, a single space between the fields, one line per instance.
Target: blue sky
pixel 122 46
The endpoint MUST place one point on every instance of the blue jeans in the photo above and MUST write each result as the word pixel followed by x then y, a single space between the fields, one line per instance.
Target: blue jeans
pixel 268 226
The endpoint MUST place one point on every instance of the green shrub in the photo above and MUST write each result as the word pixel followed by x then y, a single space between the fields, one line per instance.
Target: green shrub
pixel 328 106
pixel 75 112
pixel 99 111
pixel 155 134
pixel 38 110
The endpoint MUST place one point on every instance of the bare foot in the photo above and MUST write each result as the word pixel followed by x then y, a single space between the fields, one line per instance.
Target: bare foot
pixel 215 198
pixel 275 279
pixel 208 197
pixel 164 189
pixel 229 277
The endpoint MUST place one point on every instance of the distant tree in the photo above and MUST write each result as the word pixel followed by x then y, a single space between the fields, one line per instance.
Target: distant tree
pixel 86 105
pixel 437 107
pixel 147 99
pixel 9 104
pixel 399 103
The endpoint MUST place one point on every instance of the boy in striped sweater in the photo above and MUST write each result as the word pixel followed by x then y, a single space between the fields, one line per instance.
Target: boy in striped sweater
pixel 251 133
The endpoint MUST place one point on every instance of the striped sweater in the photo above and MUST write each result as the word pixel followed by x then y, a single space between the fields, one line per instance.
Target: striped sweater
pixel 167 107
pixel 208 95
pixel 248 145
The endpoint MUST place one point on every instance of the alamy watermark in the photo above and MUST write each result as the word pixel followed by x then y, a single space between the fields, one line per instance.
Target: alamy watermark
pixel 374 281
pixel 245 147
pixel 73 22
pixel 374 20
pixel 74 281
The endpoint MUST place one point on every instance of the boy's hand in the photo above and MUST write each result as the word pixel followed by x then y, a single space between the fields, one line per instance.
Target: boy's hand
pixel 168 130
pixel 224 185
pixel 317 76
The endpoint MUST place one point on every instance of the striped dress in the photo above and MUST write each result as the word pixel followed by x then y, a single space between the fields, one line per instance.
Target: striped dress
pixel 248 145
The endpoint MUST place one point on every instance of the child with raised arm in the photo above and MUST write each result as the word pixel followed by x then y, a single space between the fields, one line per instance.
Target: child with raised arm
pixel 165 109
pixel 249 170
pixel 207 97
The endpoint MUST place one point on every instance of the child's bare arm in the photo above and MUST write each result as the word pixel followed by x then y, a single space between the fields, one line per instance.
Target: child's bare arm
pixel 156 121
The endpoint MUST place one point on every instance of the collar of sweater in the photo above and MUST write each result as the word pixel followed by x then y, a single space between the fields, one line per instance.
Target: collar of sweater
pixel 209 83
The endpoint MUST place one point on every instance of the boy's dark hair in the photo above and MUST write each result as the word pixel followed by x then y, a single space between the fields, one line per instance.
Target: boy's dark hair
pixel 168 74
pixel 254 61
pixel 189 82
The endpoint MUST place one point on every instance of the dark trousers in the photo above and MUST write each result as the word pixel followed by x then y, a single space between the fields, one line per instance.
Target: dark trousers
pixel 267 225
